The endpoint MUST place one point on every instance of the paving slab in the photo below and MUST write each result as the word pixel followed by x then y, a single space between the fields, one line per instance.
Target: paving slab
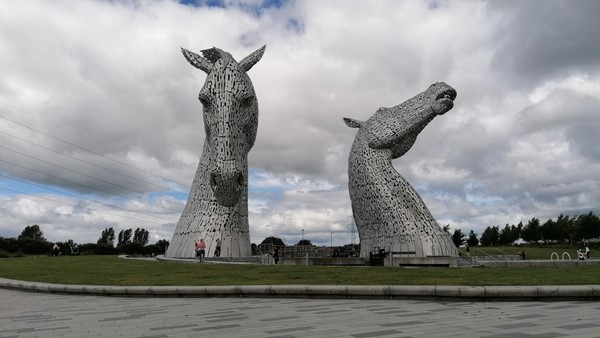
pixel 434 292
pixel 41 314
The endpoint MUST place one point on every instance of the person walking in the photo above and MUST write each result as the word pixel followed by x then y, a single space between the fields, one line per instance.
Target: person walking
pixel 200 250
pixel 218 248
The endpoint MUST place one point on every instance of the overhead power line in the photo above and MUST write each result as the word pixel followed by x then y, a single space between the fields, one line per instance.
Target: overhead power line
pixel 83 198
pixel 75 205
pixel 85 186
pixel 73 171
pixel 85 149
pixel 84 161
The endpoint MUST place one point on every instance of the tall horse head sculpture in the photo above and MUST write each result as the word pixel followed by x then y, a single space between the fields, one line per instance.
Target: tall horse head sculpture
pixel 217 207
pixel 230 119
pixel 388 212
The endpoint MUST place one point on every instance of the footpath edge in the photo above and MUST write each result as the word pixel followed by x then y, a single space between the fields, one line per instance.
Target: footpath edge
pixel 424 292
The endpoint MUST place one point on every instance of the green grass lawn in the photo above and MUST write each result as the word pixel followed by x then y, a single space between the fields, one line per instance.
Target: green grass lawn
pixel 111 270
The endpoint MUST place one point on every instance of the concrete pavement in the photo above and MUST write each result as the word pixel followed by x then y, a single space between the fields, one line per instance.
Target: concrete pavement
pixel 429 292
pixel 35 314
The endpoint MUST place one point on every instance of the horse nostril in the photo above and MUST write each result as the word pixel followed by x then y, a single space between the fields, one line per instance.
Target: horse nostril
pixel 213 180
pixel 240 179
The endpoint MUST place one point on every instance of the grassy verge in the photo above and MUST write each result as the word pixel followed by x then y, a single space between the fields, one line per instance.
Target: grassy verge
pixel 111 270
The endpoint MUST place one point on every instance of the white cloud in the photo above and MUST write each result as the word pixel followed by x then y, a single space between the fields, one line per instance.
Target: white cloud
pixel 521 141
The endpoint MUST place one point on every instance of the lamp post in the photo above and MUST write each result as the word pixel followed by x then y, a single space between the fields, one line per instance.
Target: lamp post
pixel 302 237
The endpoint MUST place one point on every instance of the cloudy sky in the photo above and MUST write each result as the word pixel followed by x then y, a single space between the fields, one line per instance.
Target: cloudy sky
pixel 100 125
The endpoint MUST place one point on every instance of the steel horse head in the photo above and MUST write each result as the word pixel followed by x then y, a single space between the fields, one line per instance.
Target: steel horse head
pixel 230 119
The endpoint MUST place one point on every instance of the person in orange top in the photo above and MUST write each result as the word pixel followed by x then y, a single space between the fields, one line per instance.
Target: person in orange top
pixel 200 249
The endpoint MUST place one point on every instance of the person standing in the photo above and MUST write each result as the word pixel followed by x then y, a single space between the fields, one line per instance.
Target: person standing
pixel 587 250
pixel 276 255
pixel 218 248
pixel 55 250
pixel 200 250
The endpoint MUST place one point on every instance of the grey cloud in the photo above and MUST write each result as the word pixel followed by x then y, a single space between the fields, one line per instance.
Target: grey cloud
pixel 113 73
pixel 539 40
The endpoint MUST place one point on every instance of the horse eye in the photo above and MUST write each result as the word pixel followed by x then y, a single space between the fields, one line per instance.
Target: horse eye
pixel 247 102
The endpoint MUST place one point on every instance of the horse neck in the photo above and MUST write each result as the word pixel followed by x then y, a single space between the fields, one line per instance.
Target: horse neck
pixel 365 159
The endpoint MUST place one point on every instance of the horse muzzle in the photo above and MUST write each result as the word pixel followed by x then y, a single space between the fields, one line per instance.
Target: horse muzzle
pixel 227 186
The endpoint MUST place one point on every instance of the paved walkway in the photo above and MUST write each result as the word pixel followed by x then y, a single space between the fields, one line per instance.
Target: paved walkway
pixel 407 292
pixel 31 314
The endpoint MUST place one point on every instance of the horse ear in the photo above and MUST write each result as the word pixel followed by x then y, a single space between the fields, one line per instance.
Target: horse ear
pixel 352 123
pixel 197 60
pixel 250 60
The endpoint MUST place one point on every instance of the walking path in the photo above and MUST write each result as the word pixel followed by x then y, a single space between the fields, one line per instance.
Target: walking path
pixel 430 292
pixel 57 310
pixel 32 314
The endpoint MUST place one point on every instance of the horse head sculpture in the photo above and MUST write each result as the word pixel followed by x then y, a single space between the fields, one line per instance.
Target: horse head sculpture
pixel 388 212
pixel 217 206
pixel 230 119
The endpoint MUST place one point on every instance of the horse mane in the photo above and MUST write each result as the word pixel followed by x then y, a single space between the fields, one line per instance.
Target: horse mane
pixel 214 54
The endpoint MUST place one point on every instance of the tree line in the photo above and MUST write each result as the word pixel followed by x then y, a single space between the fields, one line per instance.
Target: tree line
pixel 563 230
pixel 31 241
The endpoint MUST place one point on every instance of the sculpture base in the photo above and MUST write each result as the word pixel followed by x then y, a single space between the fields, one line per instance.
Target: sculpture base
pixel 451 262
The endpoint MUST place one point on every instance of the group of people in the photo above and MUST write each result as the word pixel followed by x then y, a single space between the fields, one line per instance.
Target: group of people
pixel 200 249
pixel 584 253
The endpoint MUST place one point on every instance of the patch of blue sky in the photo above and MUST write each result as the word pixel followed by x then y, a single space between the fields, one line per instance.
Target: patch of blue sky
pixel 181 196
pixel 295 25
pixel 435 4
pixel 15 187
pixel 263 184
pixel 203 3
pixel 482 200
pixel 251 6
pixel 477 194
pixel 254 8
pixel 442 195
pixel 266 192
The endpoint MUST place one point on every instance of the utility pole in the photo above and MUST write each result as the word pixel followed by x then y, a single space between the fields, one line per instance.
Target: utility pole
pixel 352 232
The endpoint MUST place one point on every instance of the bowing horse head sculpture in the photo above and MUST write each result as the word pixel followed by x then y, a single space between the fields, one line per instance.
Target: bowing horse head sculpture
pixel 217 207
pixel 388 212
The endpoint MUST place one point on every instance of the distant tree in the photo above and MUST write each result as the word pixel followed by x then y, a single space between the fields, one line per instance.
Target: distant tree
pixel 107 237
pixel 304 242
pixel 565 226
pixel 99 249
pixel 124 237
pixel 132 248
pixel 273 240
pixel 587 227
pixel 446 228
pixel 531 233
pixel 472 240
pixel 140 236
pixel 490 236
pixel 163 244
pixel 458 237
pixel 550 231
pixel 32 232
pixel 508 235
